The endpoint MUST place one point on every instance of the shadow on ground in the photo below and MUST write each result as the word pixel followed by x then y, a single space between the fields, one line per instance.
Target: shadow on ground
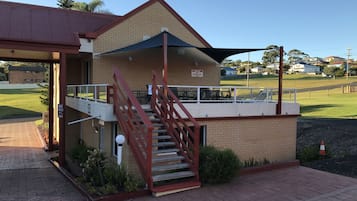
pixel 313 108
pixel 7 112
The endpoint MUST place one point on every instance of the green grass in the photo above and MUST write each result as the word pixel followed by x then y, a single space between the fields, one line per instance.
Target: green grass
pixel 297 81
pixel 328 104
pixel 315 104
pixel 16 103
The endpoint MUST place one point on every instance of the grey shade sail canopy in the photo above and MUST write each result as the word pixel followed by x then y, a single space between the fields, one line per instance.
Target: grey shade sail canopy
pixel 217 54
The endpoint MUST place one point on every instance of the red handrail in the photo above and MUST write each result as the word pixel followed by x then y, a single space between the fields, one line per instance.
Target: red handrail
pixel 166 104
pixel 135 124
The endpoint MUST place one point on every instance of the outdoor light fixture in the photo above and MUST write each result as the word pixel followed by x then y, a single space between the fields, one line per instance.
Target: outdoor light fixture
pixel 120 139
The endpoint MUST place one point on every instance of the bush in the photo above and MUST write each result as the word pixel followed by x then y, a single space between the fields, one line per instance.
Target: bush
pixel 79 153
pixel 93 168
pixel 217 166
pixel 115 175
pixel 311 153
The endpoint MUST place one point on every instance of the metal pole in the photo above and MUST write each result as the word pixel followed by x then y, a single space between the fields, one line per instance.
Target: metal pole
pixel 62 120
pixel 278 108
pixel 247 69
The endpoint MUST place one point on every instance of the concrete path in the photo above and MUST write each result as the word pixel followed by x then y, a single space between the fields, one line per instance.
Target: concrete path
pixel 25 173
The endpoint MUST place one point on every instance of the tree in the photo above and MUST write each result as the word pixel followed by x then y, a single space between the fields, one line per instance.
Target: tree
pixel 334 71
pixel 92 6
pixel 65 3
pixel 271 54
pixel 296 56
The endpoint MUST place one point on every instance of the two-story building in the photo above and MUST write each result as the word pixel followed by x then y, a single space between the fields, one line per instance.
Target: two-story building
pixel 149 76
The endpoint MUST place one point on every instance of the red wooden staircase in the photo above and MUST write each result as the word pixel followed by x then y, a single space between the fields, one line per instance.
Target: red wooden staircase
pixel 163 136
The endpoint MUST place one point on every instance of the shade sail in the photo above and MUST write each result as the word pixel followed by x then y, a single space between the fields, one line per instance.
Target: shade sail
pixel 217 54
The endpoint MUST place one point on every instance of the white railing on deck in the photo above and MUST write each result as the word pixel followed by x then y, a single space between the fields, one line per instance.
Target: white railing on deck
pixel 230 94
pixel 91 92
pixel 191 94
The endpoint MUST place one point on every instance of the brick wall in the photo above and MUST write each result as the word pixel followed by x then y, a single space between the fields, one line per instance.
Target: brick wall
pixel 273 138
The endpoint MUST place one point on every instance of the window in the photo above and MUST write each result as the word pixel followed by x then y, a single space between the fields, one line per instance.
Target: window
pixel 115 132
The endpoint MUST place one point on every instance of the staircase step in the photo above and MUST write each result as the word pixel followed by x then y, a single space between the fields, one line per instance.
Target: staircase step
pixel 170 167
pixel 165 151
pixel 163 144
pixel 157 124
pixel 161 137
pixel 167 159
pixel 175 175
pixel 158 191
pixel 159 131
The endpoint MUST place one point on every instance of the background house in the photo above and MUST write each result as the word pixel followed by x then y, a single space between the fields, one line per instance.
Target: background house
pixel 26 74
pixel 304 68
pixel 228 71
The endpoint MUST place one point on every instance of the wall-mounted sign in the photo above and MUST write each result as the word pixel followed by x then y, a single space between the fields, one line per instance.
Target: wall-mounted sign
pixel 196 72
pixel 60 110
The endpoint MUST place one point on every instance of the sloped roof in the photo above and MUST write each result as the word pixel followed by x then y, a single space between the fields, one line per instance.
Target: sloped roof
pixel 48 26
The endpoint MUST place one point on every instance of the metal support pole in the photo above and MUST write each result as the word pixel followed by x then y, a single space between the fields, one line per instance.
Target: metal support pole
pixel 278 108
pixel 62 119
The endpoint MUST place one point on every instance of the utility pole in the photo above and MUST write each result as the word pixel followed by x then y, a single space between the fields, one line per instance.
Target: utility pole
pixel 348 58
pixel 247 69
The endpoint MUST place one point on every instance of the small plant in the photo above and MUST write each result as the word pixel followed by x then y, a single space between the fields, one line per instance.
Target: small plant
pixel 311 153
pixel 253 163
pixel 79 153
pixel 217 166
pixel 131 184
pixel 93 168
pixel 115 175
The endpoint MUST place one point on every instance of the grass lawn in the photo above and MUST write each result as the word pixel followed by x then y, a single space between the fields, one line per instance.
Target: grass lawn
pixel 324 103
pixel 15 103
pixel 297 81
pixel 328 104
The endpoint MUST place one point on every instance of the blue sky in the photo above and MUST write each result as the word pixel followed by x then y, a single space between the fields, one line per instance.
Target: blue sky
pixel 317 27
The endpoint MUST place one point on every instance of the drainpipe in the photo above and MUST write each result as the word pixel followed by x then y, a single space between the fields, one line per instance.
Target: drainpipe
pixel 120 139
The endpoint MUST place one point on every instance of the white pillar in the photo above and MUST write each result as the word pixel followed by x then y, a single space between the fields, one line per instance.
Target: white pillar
pixel 120 139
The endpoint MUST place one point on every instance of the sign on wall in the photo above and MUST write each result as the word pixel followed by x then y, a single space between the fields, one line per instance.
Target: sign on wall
pixel 196 72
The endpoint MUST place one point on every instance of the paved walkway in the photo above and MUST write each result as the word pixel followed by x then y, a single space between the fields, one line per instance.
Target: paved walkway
pixel 25 173
pixel 292 184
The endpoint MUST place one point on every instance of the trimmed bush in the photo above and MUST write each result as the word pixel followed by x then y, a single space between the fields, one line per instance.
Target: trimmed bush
pixel 217 166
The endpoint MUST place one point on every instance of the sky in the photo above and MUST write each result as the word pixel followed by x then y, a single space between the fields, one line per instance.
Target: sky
pixel 319 28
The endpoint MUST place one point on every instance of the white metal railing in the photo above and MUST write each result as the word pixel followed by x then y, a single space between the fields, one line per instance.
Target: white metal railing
pixel 91 92
pixel 191 94
pixel 230 94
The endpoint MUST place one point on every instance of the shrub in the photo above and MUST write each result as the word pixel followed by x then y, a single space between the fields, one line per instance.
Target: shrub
pixel 311 153
pixel 79 153
pixel 131 184
pixel 115 175
pixel 217 166
pixel 93 168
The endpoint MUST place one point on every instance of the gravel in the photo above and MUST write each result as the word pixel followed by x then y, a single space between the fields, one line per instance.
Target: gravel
pixel 340 137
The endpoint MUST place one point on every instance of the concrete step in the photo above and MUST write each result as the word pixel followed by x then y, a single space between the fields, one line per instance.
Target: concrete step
pixel 170 176
pixel 162 168
pixel 167 159
pixel 163 144
pixel 165 151
pixel 161 137
pixel 159 131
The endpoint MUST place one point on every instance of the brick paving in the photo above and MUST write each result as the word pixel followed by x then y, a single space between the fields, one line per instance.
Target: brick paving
pixel 291 184
pixel 25 172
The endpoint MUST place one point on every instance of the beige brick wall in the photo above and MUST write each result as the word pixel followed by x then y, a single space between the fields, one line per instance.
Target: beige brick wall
pixel 138 70
pixel 273 138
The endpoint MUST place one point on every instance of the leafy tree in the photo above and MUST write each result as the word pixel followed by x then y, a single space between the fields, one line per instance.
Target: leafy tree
pixel 271 54
pixel 334 71
pixel 296 56
pixel 92 6
pixel 65 3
